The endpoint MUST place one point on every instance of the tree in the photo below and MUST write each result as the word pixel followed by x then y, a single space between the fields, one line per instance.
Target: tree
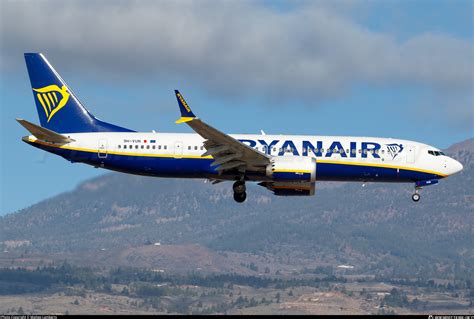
pixel 253 267
pixel 107 287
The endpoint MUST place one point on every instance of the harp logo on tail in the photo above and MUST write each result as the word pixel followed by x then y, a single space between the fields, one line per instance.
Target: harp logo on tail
pixel 52 98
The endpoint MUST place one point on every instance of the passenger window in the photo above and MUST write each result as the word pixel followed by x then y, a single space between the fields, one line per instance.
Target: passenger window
pixel 165 147
pixel 274 149
pixel 153 147
pixel 195 148
pixel 347 151
pixel 189 148
pixel 360 151
pixel 119 146
pixel 143 146
pixel 136 146
pixel 159 147
pixel 202 148
pixel 148 147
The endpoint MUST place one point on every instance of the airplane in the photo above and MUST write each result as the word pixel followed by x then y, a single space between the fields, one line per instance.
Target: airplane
pixel 287 165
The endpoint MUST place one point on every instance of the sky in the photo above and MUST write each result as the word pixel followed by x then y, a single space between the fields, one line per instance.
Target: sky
pixel 401 69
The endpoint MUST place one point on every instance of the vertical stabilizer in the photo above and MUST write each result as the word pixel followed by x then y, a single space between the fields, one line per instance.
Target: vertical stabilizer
pixel 58 107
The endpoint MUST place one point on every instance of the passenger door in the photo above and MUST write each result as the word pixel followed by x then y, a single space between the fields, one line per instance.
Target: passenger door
pixel 102 148
pixel 410 154
pixel 178 149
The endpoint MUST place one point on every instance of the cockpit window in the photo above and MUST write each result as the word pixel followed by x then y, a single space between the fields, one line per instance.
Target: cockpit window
pixel 435 153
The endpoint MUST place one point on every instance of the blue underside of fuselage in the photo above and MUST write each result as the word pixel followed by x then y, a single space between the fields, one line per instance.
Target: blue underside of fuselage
pixel 200 168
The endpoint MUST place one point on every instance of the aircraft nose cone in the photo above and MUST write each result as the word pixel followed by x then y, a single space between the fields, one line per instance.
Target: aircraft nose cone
pixel 454 166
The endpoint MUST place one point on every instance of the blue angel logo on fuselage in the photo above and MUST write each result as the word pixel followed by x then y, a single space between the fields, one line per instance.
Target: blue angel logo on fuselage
pixel 394 149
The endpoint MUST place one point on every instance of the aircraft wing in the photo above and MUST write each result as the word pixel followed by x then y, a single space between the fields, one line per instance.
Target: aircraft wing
pixel 228 153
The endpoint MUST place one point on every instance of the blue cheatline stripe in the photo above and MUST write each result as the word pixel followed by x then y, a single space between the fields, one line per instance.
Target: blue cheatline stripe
pixel 168 165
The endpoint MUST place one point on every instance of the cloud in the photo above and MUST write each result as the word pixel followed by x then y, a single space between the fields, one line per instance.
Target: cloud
pixel 307 51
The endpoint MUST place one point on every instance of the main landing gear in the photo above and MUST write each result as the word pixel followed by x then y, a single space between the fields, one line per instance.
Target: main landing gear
pixel 239 191
pixel 416 195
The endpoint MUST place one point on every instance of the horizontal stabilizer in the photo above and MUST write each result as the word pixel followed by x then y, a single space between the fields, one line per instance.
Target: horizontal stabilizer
pixel 43 133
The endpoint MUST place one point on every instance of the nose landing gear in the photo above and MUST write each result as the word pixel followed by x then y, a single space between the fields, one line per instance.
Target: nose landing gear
pixel 416 195
pixel 419 185
pixel 239 191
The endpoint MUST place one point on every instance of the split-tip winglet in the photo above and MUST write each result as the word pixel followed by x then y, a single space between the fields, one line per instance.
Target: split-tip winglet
pixel 186 113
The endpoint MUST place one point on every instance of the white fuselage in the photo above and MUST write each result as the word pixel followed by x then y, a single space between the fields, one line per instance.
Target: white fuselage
pixel 355 152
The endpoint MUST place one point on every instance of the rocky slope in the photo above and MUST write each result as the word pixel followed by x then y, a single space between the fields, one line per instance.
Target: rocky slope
pixel 376 227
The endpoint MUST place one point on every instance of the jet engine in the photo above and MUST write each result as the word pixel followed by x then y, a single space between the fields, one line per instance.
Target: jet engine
pixel 292 169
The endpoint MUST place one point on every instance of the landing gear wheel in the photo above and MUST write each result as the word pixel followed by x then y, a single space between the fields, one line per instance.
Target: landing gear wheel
pixel 239 187
pixel 415 197
pixel 240 197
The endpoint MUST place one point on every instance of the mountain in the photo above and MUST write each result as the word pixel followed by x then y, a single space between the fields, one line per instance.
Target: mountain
pixel 116 218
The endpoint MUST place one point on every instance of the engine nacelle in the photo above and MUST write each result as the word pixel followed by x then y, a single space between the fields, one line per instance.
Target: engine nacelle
pixel 292 169
pixel 290 188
